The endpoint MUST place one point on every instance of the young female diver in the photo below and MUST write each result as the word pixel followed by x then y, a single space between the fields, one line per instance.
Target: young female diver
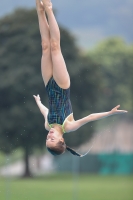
pixel 59 117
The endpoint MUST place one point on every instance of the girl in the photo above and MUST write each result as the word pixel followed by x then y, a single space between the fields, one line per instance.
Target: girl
pixel 59 117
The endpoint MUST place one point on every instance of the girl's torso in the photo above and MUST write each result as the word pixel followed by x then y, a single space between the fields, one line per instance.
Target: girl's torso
pixel 60 109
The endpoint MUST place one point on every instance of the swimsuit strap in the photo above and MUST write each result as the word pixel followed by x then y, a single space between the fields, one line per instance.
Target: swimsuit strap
pixel 63 127
pixel 50 125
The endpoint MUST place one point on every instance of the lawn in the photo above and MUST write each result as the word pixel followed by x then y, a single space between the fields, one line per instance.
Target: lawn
pixel 67 187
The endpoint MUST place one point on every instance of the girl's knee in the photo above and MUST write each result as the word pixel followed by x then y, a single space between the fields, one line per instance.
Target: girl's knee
pixel 55 45
pixel 45 46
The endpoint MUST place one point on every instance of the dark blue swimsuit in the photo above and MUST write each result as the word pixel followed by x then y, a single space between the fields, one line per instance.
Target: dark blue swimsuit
pixel 59 103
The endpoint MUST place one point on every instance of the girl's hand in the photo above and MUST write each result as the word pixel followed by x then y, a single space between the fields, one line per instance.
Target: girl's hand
pixel 116 111
pixel 37 98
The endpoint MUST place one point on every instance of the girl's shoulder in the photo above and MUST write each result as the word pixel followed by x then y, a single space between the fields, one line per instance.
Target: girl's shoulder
pixel 69 120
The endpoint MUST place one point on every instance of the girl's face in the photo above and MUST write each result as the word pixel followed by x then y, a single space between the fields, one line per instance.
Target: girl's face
pixel 53 138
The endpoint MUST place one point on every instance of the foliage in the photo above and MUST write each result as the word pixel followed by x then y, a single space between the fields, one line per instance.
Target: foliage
pixel 20 53
pixel 115 60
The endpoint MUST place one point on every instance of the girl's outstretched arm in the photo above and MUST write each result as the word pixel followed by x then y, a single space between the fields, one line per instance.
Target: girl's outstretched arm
pixel 93 117
pixel 42 108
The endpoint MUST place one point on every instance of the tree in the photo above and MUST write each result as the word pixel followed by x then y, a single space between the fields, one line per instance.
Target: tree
pixel 20 54
pixel 115 59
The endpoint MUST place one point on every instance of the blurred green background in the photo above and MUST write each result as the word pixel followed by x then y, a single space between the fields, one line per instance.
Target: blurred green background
pixel 98 51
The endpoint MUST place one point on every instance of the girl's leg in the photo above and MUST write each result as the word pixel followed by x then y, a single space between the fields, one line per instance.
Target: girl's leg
pixel 46 61
pixel 60 72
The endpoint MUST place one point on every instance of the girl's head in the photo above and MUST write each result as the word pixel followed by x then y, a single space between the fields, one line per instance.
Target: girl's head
pixel 58 149
pixel 55 143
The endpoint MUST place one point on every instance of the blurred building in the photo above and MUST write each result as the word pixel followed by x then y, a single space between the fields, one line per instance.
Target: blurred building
pixel 118 138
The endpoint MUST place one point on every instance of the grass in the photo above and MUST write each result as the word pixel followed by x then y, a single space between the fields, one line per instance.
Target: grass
pixel 67 187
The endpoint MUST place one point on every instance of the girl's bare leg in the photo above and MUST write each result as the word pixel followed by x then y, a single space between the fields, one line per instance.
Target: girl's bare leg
pixel 60 72
pixel 46 61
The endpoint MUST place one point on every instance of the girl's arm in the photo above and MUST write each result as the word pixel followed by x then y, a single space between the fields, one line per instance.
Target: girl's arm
pixel 93 117
pixel 42 108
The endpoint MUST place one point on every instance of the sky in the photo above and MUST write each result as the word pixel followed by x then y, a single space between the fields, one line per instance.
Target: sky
pixel 91 21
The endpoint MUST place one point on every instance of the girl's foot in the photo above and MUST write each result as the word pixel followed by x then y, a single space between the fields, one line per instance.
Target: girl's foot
pixel 39 6
pixel 47 4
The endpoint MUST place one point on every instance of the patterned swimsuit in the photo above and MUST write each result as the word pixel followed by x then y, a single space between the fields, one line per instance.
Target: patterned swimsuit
pixel 59 103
